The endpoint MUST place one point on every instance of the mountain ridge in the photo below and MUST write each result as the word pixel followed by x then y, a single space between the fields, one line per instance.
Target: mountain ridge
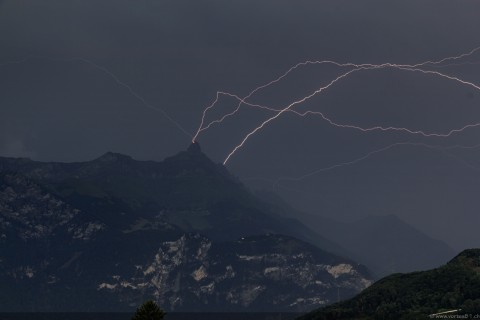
pixel 189 177
pixel 85 225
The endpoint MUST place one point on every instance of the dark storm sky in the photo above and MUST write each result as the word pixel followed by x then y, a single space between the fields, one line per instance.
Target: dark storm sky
pixel 177 54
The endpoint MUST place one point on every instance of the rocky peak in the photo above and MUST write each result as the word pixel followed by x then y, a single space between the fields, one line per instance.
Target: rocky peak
pixel 194 148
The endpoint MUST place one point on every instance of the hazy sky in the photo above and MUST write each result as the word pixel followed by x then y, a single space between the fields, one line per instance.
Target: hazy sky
pixel 56 105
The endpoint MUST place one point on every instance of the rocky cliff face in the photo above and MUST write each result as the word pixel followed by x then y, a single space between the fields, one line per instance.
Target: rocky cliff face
pixel 261 273
pixel 29 212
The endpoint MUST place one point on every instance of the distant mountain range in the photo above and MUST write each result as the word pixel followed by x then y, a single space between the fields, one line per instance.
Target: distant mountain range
pixel 107 234
pixel 450 291
pixel 386 244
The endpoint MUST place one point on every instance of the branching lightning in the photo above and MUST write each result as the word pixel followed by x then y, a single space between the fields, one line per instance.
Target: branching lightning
pixel 354 68
pixel 331 62
pixel 347 70
pixel 344 75
pixel 355 127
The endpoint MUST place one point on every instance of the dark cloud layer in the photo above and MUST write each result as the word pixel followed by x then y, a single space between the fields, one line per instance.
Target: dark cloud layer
pixel 177 54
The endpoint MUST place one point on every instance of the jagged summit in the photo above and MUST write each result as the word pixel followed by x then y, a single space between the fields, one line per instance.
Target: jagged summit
pixel 193 158
pixel 194 147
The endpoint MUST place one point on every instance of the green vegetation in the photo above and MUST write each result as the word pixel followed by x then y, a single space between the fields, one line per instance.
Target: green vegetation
pixel 149 311
pixel 415 295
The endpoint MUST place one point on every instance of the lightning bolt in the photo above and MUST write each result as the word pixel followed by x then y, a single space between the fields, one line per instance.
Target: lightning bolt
pixel 342 76
pixel 306 63
pixel 355 127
